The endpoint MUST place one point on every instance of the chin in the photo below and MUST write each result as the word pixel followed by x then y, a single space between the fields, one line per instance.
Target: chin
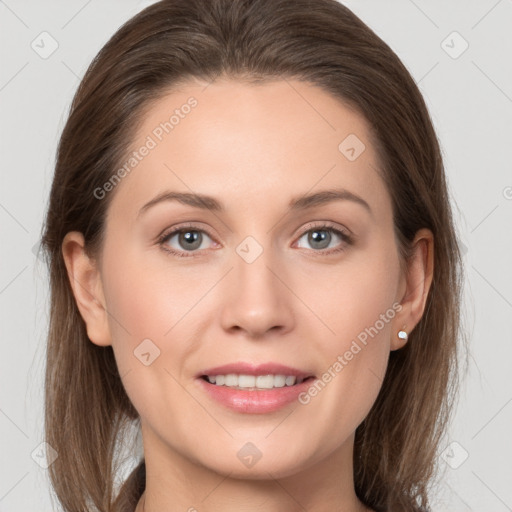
pixel 252 463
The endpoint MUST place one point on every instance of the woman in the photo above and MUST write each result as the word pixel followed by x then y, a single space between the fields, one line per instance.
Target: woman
pixel 301 351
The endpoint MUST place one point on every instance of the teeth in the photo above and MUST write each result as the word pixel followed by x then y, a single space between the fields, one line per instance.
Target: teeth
pixel 246 381
pixel 279 381
pixel 254 382
pixel 231 380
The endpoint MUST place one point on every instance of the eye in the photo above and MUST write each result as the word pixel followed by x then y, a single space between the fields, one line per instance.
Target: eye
pixel 321 236
pixel 187 238
pixel 191 239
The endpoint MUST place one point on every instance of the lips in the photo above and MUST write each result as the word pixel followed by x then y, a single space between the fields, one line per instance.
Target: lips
pixel 253 399
pixel 244 368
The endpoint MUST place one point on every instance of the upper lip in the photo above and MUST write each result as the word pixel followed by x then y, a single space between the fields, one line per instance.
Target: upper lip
pixel 243 368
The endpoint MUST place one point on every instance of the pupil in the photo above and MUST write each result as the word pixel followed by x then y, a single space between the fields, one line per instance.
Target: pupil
pixel 320 236
pixel 190 237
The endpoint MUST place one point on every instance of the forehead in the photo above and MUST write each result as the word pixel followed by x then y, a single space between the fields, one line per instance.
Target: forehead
pixel 245 142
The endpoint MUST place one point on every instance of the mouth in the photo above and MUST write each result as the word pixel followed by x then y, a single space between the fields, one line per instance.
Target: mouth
pixel 254 389
pixel 247 382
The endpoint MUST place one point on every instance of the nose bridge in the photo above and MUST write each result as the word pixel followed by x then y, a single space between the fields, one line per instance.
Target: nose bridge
pixel 256 300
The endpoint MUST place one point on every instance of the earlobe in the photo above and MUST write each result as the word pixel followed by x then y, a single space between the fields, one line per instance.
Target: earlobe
pixel 420 271
pixel 85 281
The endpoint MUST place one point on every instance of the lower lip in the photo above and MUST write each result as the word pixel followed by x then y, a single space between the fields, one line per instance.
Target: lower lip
pixel 257 401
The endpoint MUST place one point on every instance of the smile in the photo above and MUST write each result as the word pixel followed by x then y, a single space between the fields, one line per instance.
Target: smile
pixel 253 382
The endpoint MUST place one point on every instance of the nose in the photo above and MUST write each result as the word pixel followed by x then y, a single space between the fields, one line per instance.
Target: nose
pixel 256 299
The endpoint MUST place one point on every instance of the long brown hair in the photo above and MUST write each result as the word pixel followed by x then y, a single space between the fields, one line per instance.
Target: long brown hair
pixel 322 43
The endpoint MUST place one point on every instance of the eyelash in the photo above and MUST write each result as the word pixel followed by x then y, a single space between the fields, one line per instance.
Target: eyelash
pixel 345 237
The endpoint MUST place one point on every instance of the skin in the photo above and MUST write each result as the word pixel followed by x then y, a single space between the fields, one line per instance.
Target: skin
pixel 253 148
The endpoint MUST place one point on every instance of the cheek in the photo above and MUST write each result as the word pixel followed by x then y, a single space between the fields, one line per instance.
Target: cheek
pixel 148 337
pixel 156 310
pixel 146 299
pixel 354 362
pixel 358 306
pixel 355 300
pixel 139 307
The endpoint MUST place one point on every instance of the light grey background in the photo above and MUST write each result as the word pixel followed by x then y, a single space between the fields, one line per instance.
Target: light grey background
pixel 469 96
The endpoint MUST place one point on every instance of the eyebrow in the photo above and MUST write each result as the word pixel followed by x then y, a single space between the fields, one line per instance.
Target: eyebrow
pixel 296 204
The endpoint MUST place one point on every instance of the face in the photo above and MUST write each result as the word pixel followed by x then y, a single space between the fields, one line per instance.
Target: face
pixel 256 276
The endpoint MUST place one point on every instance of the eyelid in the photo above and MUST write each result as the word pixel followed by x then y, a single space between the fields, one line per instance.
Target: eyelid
pixel 180 227
pixel 326 225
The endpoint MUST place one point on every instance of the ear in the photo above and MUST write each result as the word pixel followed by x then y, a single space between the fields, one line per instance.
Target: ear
pixel 417 283
pixel 87 288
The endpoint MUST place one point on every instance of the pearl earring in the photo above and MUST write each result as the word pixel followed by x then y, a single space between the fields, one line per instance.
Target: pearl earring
pixel 403 335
